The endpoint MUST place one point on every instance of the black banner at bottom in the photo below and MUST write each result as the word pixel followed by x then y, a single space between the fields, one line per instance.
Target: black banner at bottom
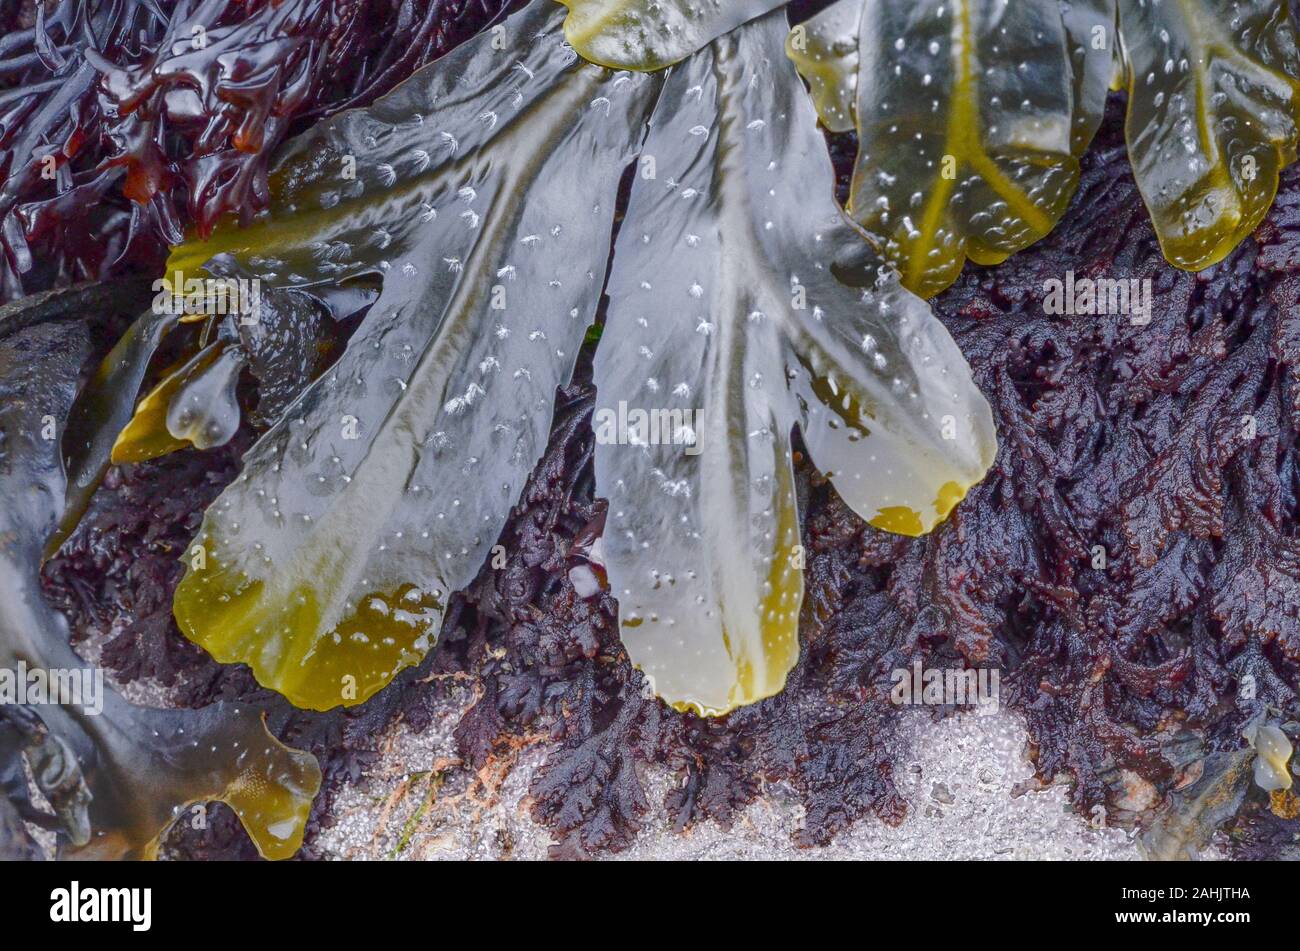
pixel 341 901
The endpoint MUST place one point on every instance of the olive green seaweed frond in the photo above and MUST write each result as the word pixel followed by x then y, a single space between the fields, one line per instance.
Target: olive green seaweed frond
pixel 488 220
pixel 971 117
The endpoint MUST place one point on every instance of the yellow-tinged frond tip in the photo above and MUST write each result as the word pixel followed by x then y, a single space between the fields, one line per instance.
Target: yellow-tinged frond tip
pixel 274 806
pixel 899 519
pixel 778 639
pixel 950 494
pixel 291 648
pixel 603 33
pixel 949 182
pixel 781 653
pixel 649 35
pixel 1209 140
pixel 272 796
pixel 146 436
pixel 902 520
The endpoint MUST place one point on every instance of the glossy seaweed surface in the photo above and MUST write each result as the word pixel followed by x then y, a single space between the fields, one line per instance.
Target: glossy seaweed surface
pixel 1126 676
pixel 1129 668
pixel 488 221
pixel 971 117
pixel 117 775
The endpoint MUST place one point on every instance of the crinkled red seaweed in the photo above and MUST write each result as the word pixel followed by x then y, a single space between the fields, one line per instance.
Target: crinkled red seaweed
pixel 155 117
